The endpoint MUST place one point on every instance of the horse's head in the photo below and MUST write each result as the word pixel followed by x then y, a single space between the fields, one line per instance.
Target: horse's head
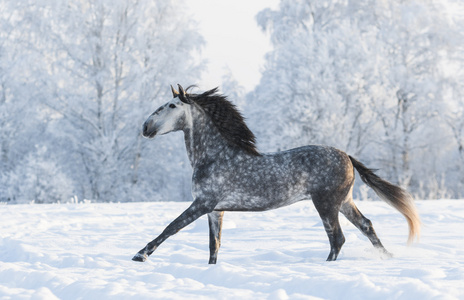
pixel 171 116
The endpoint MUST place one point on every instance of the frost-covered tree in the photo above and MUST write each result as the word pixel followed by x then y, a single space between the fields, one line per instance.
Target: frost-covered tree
pixel 21 121
pixel 123 60
pixel 369 77
pixel 37 178
pixel 412 40
pixel 105 66
pixel 315 78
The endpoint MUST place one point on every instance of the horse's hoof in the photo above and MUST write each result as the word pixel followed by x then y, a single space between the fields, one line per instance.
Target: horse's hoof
pixel 139 257
pixel 386 255
pixel 212 261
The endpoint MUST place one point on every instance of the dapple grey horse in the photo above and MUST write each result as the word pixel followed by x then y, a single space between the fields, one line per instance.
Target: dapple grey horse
pixel 229 174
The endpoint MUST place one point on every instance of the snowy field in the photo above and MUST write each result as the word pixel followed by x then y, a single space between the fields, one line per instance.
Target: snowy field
pixel 84 251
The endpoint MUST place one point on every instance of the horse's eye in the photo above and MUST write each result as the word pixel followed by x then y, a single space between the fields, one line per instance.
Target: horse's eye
pixel 172 105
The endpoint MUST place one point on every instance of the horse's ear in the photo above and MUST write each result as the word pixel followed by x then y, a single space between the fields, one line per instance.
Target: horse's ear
pixel 175 93
pixel 183 96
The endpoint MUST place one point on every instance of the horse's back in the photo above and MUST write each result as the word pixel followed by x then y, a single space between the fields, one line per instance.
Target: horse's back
pixel 321 167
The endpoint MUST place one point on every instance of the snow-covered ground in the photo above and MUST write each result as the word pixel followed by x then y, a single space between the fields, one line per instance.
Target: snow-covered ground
pixel 84 251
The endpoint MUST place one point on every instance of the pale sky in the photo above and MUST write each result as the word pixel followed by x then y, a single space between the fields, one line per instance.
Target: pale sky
pixel 233 39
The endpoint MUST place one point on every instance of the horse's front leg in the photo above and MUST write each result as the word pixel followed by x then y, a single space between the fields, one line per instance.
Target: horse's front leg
pixel 196 210
pixel 215 226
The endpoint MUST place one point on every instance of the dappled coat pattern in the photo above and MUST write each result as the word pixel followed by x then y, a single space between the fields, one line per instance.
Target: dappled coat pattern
pixel 229 174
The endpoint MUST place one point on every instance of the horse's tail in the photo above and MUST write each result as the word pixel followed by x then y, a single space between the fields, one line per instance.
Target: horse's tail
pixel 393 195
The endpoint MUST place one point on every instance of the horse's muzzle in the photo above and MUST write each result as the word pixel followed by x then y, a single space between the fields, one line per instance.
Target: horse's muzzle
pixel 147 131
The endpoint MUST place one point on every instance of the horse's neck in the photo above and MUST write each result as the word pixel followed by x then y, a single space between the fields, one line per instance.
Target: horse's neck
pixel 203 141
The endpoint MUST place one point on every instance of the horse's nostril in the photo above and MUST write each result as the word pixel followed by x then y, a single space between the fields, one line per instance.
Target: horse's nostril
pixel 145 128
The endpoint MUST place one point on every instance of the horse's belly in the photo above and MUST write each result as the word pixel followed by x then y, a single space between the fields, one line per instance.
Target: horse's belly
pixel 253 203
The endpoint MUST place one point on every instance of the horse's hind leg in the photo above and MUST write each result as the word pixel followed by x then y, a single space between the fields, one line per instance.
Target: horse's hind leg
pixel 353 214
pixel 336 237
pixel 328 211
pixel 215 226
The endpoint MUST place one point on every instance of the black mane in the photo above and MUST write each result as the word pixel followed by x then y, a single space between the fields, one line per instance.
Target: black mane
pixel 227 119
